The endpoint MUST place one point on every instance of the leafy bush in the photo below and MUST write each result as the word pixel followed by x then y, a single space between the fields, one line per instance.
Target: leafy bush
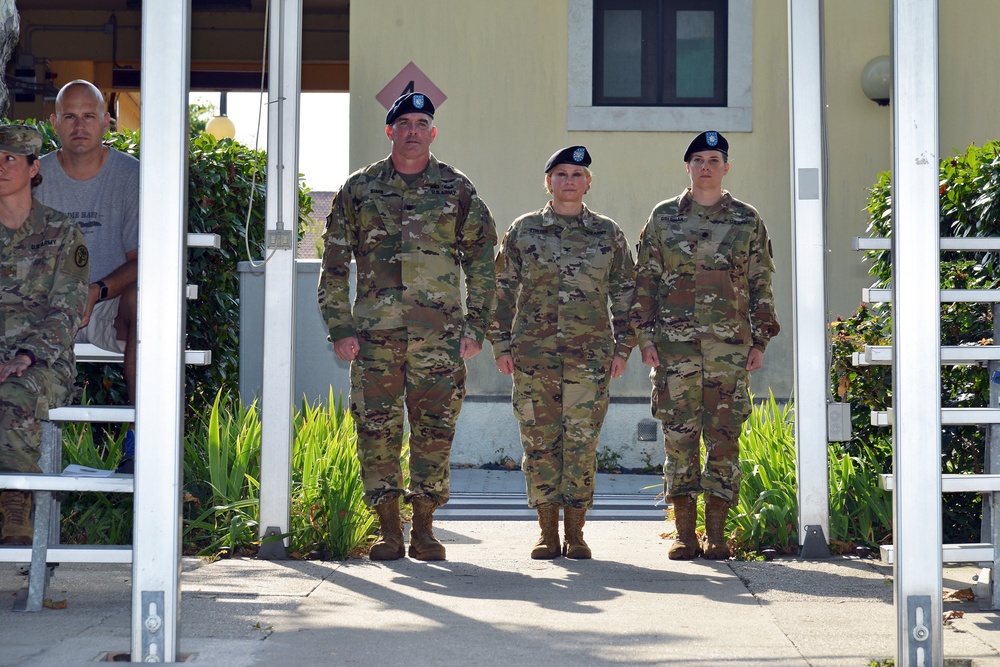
pixel 969 206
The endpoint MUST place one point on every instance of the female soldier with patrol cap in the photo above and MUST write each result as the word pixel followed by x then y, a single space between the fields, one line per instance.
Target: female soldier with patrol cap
pixel 558 270
pixel 44 267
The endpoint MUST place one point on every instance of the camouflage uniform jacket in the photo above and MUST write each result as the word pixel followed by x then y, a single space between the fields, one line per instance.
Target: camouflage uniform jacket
pixel 704 272
pixel 410 243
pixel 555 280
pixel 44 266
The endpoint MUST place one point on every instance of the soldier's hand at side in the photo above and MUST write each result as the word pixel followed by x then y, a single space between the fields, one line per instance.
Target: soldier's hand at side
pixel 618 366
pixel 755 359
pixel 505 364
pixel 347 349
pixel 649 356
pixel 469 347
pixel 93 294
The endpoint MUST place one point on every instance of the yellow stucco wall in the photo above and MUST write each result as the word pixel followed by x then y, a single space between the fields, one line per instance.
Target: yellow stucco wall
pixel 859 132
pixel 503 67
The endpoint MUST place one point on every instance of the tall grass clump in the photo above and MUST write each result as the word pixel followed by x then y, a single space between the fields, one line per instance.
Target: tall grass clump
pixel 860 511
pixel 767 512
pixel 222 479
pixel 222 461
pixel 89 517
pixel 329 516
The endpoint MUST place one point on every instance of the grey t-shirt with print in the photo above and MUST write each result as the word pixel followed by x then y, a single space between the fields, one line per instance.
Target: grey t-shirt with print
pixel 106 207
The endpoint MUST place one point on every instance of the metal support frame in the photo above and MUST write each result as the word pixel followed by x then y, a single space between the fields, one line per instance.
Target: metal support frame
pixel 951 355
pixel 991 501
pixel 809 282
pixel 971 243
pixel 916 378
pixel 872 295
pixel 160 354
pixel 279 283
pixel 949 417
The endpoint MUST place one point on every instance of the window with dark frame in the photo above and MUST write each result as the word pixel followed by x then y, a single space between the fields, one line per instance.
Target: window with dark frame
pixel 660 53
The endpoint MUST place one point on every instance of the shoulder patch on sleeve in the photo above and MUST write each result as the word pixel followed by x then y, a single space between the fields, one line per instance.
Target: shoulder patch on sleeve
pixel 81 256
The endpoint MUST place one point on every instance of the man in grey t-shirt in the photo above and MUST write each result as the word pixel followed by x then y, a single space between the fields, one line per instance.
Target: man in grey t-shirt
pixel 98 186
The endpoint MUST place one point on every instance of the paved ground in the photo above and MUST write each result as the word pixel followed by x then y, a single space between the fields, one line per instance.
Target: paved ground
pixel 489 604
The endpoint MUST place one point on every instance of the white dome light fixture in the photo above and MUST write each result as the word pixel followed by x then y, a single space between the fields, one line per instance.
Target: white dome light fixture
pixel 876 80
pixel 221 127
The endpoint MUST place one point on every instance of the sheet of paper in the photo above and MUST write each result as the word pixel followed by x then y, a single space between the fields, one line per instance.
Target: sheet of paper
pixel 83 471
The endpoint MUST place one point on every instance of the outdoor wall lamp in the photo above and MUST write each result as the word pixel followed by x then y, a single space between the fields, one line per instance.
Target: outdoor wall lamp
pixel 876 80
pixel 221 127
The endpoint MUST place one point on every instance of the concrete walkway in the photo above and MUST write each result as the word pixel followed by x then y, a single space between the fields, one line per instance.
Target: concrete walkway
pixel 489 604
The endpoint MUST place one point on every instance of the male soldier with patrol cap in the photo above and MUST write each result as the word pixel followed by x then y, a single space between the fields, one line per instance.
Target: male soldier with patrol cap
pixel 413 225
pixel 703 314
pixel 44 265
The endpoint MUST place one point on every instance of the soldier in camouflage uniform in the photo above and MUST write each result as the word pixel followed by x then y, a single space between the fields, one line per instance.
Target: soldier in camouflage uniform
pixel 704 314
pixel 44 266
pixel 413 225
pixel 558 270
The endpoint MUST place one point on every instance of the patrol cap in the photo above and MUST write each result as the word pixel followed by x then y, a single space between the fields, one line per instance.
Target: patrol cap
pixel 578 155
pixel 707 141
pixel 409 103
pixel 20 140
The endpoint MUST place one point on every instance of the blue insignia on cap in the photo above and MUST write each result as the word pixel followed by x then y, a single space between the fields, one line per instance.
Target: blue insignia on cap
pixel 579 154
pixel 418 101
pixel 712 138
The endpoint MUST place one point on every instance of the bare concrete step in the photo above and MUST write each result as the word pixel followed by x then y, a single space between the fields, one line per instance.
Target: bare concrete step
pixel 513 507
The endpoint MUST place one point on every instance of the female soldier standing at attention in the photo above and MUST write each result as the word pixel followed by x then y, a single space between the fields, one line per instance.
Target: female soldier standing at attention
pixel 704 312
pixel 557 272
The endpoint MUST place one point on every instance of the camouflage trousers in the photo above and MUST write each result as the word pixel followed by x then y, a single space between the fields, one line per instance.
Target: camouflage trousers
pixel 24 404
pixel 560 407
pixel 701 394
pixel 420 369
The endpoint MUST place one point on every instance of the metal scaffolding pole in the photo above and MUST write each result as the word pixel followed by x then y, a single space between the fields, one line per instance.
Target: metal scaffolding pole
pixel 805 43
pixel 916 377
pixel 285 55
pixel 991 501
pixel 160 352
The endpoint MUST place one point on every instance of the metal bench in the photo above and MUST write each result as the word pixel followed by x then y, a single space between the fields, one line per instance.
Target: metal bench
pixel 45 546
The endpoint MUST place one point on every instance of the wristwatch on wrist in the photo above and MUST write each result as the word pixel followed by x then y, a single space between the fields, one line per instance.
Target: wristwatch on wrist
pixel 103 294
